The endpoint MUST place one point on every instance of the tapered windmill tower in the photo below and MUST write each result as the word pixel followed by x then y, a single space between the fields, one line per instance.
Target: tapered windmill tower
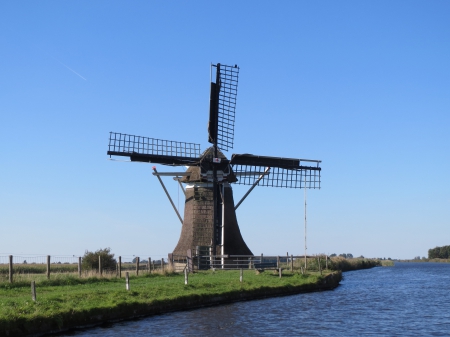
pixel 210 211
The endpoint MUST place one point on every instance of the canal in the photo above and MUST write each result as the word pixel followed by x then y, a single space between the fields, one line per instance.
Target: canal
pixel 409 299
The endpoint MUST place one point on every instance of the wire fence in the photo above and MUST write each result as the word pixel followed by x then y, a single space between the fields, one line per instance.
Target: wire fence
pixel 22 266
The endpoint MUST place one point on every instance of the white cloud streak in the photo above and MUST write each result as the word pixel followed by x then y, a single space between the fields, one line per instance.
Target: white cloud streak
pixel 69 68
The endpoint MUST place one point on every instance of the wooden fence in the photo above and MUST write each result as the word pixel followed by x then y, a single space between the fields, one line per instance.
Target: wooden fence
pixel 190 262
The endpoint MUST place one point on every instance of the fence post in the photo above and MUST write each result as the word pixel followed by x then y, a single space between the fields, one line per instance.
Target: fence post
pixel 79 266
pixel 119 266
pixel 137 265
pixel 278 261
pixel 318 263
pixel 250 262
pixel 170 259
pixel 287 259
pixel 241 276
pixel 292 263
pixel 279 272
pixel 153 263
pixel 48 266
pixel 185 276
pixel 10 269
pixel 33 291
pixel 162 264
pixel 127 280
pixel 100 265
pixel 149 261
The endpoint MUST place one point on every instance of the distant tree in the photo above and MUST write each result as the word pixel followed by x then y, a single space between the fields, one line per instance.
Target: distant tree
pixel 439 252
pixel 90 259
pixel 349 256
pixel 332 255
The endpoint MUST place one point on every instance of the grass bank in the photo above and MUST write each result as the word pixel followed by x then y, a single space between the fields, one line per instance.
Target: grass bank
pixel 68 301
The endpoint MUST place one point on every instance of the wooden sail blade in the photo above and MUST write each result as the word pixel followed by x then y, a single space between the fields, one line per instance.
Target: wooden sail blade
pixel 151 150
pixel 285 172
pixel 222 106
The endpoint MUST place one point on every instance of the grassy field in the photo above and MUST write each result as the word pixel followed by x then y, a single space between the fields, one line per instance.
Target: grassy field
pixel 68 301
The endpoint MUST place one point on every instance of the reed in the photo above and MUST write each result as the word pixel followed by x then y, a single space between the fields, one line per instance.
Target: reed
pixel 343 264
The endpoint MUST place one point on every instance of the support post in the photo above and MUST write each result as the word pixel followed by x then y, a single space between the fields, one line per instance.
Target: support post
pixel 251 188
pixel 162 264
pixel 279 272
pixel 119 265
pixel 241 276
pixel 278 261
pixel 168 195
pixel 10 269
pixel 150 264
pixel 292 263
pixel 223 227
pixel 137 265
pixel 33 291
pixel 170 260
pixel 100 269
pixel 48 266
pixel 127 281
pixel 149 261
pixel 79 266
pixel 190 261
pixel 185 276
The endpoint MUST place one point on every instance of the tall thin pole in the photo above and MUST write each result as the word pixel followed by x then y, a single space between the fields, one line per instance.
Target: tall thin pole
pixel 305 222
pixel 223 226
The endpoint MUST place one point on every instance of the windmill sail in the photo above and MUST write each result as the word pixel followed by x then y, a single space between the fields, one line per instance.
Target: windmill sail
pixel 151 150
pixel 223 106
pixel 285 172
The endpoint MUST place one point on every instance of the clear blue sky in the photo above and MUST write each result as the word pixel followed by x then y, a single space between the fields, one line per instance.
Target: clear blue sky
pixel 363 86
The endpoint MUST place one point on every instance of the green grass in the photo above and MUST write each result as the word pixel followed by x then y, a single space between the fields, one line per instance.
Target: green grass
pixel 69 301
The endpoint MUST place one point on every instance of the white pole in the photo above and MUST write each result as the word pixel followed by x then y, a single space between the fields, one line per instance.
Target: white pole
pixel 305 222
pixel 223 226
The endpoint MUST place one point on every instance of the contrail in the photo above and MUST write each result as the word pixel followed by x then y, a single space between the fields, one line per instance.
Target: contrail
pixel 69 68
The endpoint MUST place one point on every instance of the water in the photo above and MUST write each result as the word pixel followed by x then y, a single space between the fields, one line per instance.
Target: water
pixel 410 299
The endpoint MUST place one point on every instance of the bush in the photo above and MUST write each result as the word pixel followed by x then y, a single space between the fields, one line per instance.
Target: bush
pixel 90 259
pixel 439 252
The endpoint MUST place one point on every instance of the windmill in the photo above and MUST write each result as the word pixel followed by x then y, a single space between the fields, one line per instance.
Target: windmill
pixel 210 211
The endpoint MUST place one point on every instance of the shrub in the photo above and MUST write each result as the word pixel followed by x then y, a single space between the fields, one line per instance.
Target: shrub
pixel 90 259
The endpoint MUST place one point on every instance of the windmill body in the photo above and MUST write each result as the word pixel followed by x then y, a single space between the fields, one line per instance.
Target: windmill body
pixel 210 211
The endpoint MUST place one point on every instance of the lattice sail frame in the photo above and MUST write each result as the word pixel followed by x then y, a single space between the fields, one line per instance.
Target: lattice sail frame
pixel 228 83
pixel 129 144
pixel 308 177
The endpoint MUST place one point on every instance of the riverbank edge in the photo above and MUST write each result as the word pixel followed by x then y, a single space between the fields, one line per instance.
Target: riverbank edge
pixel 128 311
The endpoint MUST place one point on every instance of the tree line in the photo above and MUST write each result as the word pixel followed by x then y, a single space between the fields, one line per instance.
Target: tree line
pixel 439 252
